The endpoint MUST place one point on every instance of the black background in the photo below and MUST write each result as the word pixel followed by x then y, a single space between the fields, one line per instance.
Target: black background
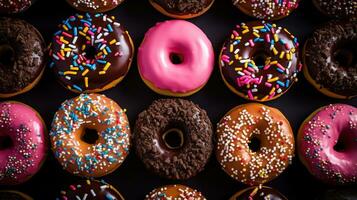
pixel 132 179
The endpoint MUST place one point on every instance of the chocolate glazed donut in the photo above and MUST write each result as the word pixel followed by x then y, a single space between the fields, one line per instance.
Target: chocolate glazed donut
pixel 258 193
pixel 182 9
pixel 174 138
pixel 22 51
pixel 330 59
pixel 15 6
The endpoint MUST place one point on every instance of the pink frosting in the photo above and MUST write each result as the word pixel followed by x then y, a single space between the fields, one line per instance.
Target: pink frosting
pixel 25 128
pixel 183 38
pixel 318 138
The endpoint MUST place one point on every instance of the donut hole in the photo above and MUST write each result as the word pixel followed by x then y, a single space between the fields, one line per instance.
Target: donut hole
pixel 342 143
pixel 345 53
pixel 90 136
pixel 5 142
pixel 260 58
pixel 91 52
pixel 173 138
pixel 7 55
pixel 254 144
pixel 176 58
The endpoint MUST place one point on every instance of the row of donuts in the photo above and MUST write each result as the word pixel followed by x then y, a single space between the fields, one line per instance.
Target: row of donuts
pixel 259 61
pixel 261 9
pixel 174 139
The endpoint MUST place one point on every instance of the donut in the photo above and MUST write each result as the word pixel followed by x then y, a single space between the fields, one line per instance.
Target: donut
pixel 255 143
pixel 267 9
pixel 337 8
pixel 327 142
pixel 260 61
pixel 258 193
pixel 90 190
pixel 94 6
pixel 175 58
pixel 23 145
pixel 184 9
pixel 173 138
pixel 90 135
pixel 339 194
pixel 14 6
pixel 175 192
pixel 330 59
pixel 13 195
pixel 22 57
pixel 91 53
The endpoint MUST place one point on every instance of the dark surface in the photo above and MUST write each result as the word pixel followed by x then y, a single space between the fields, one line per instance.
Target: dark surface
pixel 131 178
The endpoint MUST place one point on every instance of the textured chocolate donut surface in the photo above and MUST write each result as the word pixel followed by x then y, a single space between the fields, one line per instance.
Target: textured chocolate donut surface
pixel 181 161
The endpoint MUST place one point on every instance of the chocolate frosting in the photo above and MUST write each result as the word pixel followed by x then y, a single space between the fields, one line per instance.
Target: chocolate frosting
pixel 319 57
pixel 22 51
pixel 106 56
pixel 11 195
pixel 337 8
pixel 183 7
pixel 14 6
pixel 94 5
pixel 256 193
pixel 272 77
pixel 164 114
pixel 91 190
pixel 339 194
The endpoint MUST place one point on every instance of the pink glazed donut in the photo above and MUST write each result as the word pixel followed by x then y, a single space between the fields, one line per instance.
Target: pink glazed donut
pixel 176 58
pixel 327 144
pixel 23 145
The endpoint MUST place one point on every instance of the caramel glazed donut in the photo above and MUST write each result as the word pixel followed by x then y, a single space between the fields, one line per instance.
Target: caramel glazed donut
pixel 22 57
pixel 72 144
pixel 175 192
pixel 330 59
pixel 174 138
pixel 255 143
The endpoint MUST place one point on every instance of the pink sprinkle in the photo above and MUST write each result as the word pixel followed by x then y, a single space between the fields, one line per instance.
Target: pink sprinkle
pixel 266 67
pixel 251 42
pixel 66 34
pixel 238 82
pixel 260 80
pixel 280 66
pixel 99 29
pixel 250 95
pixel 235 33
pixel 72 187
pixel 268 84
pixel 267 37
pixel 287 46
pixel 246 72
pixel 272 95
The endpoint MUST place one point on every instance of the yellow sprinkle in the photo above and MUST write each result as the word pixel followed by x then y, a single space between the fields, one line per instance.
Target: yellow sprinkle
pixel 238 69
pixel 88 38
pixel 273 79
pixel 106 66
pixel 292 50
pixel 105 52
pixel 272 90
pixel 256 34
pixel 288 56
pixel 74 68
pixel 258 27
pixel 85 72
pixel 231 62
pixel 286 30
pixel 276 38
pixel 232 36
pixel 83 47
pixel 88 182
pixel 63 40
pixel 113 41
pixel 69 87
pixel 85 29
pixel 86 81
pixel 67 49
pixel 80 16
pixel 70 73
pixel 245 31
pixel 102 72
pixel 245 64
pixel 245 27
pixel 273 62
pixel 231 48
pixel 62 53
pixel 65 27
pixel 282 55
pixel 237 57
pixel 81 33
pixel 99 54
pixel 275 51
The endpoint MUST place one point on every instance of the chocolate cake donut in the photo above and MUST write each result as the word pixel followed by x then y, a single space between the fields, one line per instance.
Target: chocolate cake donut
pixel 174 138
pixel 14 6
pixel 91 190
pixel 330 59
pixel 182 9
pixel 337 8
pixel 22 62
